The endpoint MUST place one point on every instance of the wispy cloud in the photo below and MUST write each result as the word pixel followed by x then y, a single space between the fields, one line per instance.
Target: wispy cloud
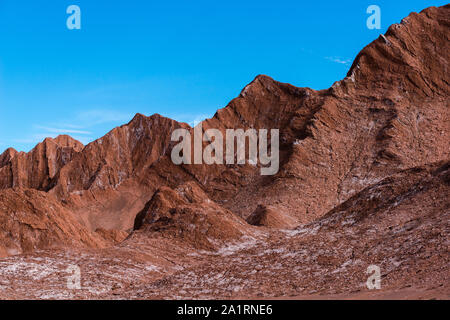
pixel 83 126
pixel 340 60
pixel 79 127
pixel 43 132
pixel 62 130
pixel 39 137
pixel 66 125
pixel 100 116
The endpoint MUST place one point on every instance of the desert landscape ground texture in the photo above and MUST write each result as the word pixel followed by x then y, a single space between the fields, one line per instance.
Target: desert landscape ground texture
pixel 364 180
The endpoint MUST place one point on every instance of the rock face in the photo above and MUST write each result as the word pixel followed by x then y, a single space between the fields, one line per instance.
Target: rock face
pixel 188 213
pixel 270 217
pixel 389 114
pixel 37 168
pixel 355 160
pixel 31 219
pixel 122 153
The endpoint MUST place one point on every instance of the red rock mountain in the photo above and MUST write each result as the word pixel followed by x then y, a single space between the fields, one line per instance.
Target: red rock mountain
pixel 389 116
pixel 37 168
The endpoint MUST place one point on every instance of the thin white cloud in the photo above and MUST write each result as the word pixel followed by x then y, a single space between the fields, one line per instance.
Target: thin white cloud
pixel 39 137
pixel 76 127
pixel 339 60
pixel 67 125
pixel 62 131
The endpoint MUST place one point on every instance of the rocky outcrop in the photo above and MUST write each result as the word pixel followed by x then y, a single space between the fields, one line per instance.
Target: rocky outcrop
pixel 272 218
pixel 31 220
pixel 187 213
pixel 37 168
pixel 122 153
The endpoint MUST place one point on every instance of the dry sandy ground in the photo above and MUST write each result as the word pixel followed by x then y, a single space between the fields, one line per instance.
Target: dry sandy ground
pixel 272 265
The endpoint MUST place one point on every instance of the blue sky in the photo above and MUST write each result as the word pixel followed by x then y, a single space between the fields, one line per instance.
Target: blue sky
pixel 182 59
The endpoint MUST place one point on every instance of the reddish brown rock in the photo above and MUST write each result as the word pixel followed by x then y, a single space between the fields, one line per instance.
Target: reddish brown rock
pixel 37 168
pixel 399 224
pixel 270 217
pixel 31 220
pixel 390 113
pixel 6 156
pixel 113 236
pixel 187 213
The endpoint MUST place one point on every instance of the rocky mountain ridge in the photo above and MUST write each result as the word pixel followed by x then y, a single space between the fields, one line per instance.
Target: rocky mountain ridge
pixel 374 144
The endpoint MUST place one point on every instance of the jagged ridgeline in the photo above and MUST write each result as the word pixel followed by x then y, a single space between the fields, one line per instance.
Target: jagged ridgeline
pixel 372 148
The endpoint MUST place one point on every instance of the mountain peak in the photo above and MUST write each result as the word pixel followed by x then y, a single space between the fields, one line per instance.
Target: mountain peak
pixel 7 155
pixel 138 116
pixel 403 57
pixel 259 82
pixel 66 141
